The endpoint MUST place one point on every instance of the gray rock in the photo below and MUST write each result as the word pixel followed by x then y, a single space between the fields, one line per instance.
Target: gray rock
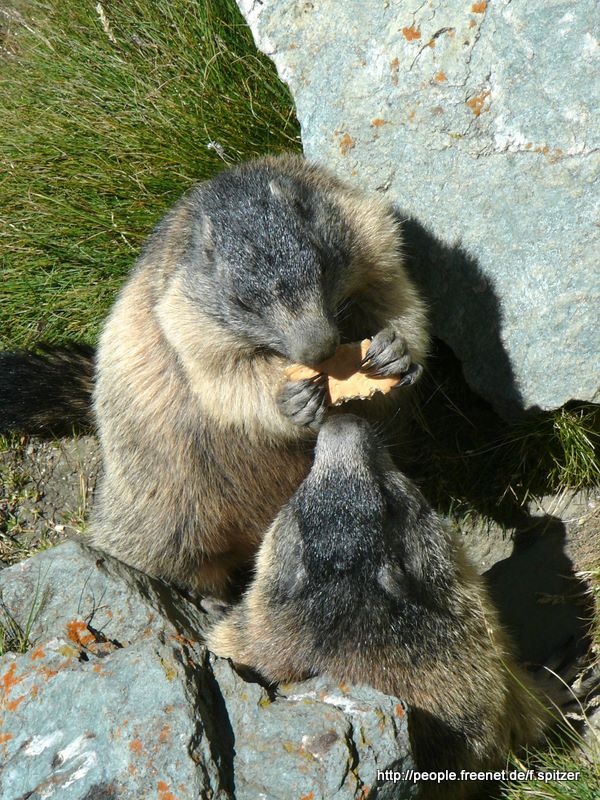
pixel 535 572
pixel 480 120
pixel 118 698
pixel 109 701
pixel 329 741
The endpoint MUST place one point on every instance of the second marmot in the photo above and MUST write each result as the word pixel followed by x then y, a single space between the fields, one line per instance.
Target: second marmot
pixel 358 579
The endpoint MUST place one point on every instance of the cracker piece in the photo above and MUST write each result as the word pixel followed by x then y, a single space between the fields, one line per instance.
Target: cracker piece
pixel 345 381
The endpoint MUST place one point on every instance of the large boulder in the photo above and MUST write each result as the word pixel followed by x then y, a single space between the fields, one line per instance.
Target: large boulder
pixel 481 121
pixel 117 698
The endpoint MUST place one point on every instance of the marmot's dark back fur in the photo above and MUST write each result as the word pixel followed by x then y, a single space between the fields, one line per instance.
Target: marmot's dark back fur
pixel 358 579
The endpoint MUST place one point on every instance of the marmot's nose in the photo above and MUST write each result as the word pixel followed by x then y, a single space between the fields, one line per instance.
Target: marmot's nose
pixel 346 439
pixel 314 346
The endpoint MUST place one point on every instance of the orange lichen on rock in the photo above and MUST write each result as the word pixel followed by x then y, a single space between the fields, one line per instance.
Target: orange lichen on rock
pixel 136 747
pixel 410 34
pixel 346 144
pixel 441 76
pixel 163 791
pixel 479 8
pixel 163 736
pixel 8 680
pixel 178 637
pixel 377 122
pixel 78 632
pixel 14 704
pixel 476 103
pixel 47 672
pixel 37 653
pixel 345 381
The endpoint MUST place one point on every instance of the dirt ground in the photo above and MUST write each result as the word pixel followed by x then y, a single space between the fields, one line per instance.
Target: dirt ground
pixel 46 491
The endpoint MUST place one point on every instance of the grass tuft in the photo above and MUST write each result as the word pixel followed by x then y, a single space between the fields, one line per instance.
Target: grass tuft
pixel 469 459
pixel 559 449
pixel 107 114
pixel 14 637
pixel 561 773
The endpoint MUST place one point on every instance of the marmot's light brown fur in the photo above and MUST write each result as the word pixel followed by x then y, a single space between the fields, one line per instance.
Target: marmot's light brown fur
pixel 358 579
pixel 203 441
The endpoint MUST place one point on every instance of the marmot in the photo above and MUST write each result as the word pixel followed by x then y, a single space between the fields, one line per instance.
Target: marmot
pixel 271 262
pixel 203 440
pixel 358 579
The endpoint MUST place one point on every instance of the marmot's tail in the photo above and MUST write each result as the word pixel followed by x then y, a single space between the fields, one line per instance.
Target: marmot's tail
pixel 47 391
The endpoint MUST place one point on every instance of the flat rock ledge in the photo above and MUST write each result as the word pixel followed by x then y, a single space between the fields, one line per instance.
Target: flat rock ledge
pixel 118 698
pixel 479 120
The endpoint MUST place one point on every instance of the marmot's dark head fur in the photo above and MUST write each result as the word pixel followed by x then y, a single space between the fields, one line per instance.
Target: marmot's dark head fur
pixel 359 579
pixel 274 259
pixel 272 256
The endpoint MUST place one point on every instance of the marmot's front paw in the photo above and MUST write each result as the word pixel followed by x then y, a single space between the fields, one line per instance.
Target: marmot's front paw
pixel 389 355
pixel 304 402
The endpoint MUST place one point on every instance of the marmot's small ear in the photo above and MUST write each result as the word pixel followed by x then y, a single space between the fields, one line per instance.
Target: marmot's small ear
pixel 208 244
pixel 290 192
pixel 392 579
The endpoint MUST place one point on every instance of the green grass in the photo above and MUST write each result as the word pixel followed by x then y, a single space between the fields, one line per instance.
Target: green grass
pixel 104 122
pixel 14 637
pixel 592 578
pixel 558 449
pixel 583 763
pixel 15 488
pixel 470 461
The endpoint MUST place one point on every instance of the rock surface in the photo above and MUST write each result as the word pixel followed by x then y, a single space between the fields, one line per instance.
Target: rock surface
pixel 118 698
pixel 480 121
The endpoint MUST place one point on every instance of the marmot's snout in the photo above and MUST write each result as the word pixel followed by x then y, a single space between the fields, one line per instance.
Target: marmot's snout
pixel 311 342
pixel 346 440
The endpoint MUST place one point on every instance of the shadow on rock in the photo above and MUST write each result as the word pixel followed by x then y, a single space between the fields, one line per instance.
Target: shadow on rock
pixel 465 311
pixel 540 599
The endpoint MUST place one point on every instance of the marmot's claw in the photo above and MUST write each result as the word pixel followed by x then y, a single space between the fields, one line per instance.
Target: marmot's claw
pixel 413 374
pixel 304 402
pixel 389 355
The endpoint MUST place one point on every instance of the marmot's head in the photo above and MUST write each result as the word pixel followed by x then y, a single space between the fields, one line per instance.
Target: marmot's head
pixel 359 518
pixel 340 508
pixel 271 260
